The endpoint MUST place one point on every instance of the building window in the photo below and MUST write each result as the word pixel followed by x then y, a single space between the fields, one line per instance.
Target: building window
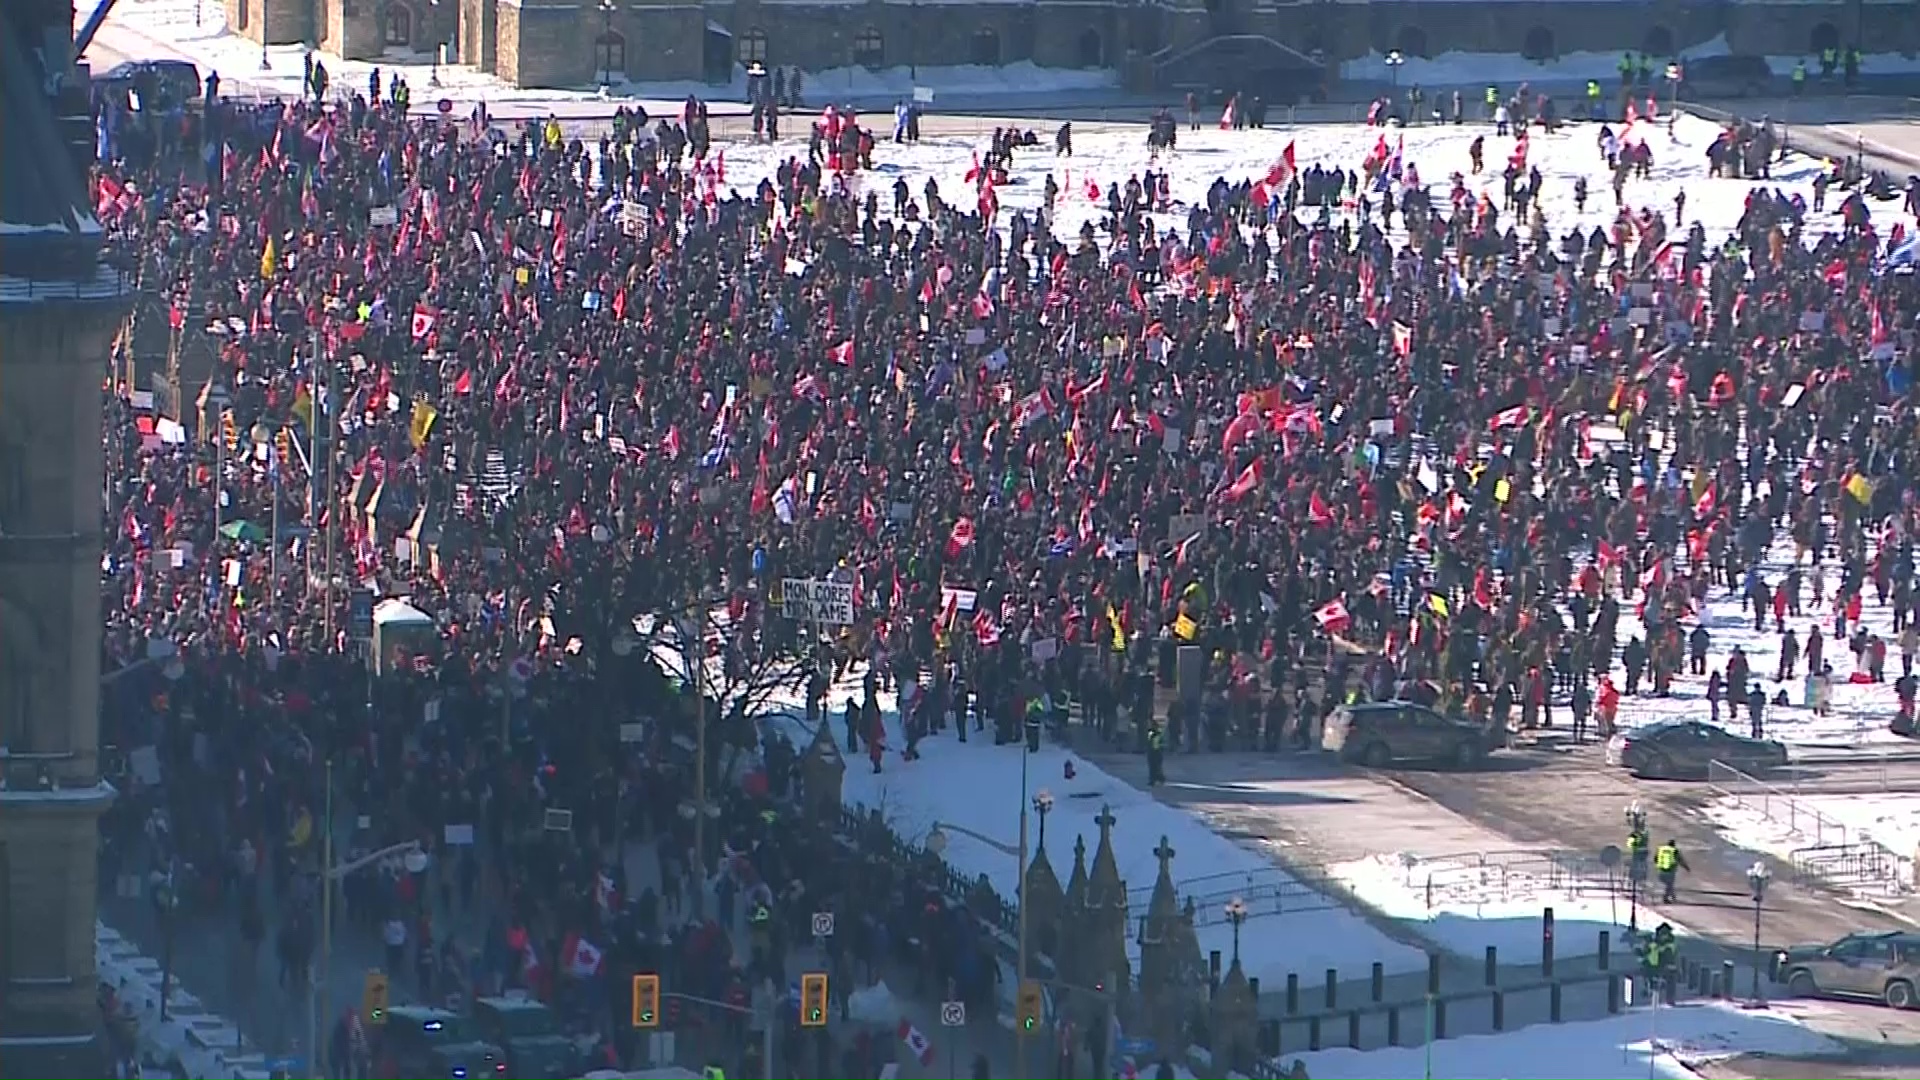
pixel 1825 36
pixel 399 26
pixel 610 53
pixel 1539 44
pixel 986 46
pixel 753 47
pixel 869 48
pixel 1412 41
pixel 1091 54
pixel 1658 42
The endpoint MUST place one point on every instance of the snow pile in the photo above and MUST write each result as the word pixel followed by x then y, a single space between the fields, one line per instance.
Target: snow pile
pixel 206 1046
pixel 1785 824
pixel 1665 1042
pixel 1507 70
pixel 1464 905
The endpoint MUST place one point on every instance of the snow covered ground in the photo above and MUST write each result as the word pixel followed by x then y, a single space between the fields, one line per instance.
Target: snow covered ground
pixel 1668 1042
pixel 203 1044
pixel 197 30
pixel 1463 905
pixel 1780 825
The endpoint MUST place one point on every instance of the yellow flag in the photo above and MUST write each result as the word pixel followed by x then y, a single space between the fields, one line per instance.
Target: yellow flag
pixel 302 407
pixel 1860 488
pixel 1185 628
pixel 421 426
pixel 1502 490
pixel 1438 605
pixel 269 261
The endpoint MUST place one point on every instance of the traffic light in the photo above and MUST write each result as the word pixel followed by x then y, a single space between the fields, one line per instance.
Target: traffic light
pixel 373 997
pixel 813 999
pixel 1029 1006
pixel 646 1001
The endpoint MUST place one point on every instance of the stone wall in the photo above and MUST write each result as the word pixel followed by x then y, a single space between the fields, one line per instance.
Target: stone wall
pixel 286 22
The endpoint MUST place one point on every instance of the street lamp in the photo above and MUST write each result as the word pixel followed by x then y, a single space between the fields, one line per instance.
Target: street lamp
pixel 1636 864
pixel 433 73
pixel 1394 59
pixel 1674 75
pixel 1757 876
pixel 1236 914
pixel 1043 805
pixel 263 436
pixel 607 8
pixel 165 904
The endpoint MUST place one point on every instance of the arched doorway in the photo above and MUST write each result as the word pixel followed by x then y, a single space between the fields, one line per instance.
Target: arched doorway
pixel 986 47
pixel 1412 41
pixel 1658 42
pixel 1092 50
pixel 397 27
pixel 1824 36
pixel 869 48
pixel 1539 44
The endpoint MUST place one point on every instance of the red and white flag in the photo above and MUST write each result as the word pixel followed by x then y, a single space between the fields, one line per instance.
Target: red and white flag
pixel 583 958
pixel 961 538
pixel 1333 617
pixel 1513 417
pixel 1226 116
pixel 843 353
pixel 917 1043
pixel 1282 170
pixel 423 322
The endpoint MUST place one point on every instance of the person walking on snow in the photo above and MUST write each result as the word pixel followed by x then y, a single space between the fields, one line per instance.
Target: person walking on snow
pixel 1668 862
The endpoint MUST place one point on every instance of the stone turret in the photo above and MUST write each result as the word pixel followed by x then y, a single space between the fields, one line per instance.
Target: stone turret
pixel 1070 964
pixel 1170 972
pixel 1046 912
pixel 821 770
pixel 1104 957
pixel 1234 1020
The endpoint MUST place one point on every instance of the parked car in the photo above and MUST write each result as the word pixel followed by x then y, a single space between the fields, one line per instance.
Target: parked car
pixel 1725 77
pixel 176 81
pixel 1380 733
pixel 530 1034
pixel 1881 966
pixel 1683 750
pixel 418 1042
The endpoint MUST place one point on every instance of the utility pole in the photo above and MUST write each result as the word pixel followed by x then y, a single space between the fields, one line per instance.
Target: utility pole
pixel 328 503
pixel 314 419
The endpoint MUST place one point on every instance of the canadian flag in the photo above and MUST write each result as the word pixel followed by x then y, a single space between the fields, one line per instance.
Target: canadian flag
pixel 584 958
pixel 1513 417
pixel 423 321
pixel 961 538
pixel 843 353
pixel 1282 170
pixel 982 304
pixel 1226 116
pixel 1704 505
pixel 1333 617
pixel 605 896
pixel 917 1043
pixel 986 629
pixel 1402 339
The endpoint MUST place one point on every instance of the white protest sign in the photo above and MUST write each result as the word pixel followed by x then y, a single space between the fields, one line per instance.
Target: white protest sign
pixel 811 601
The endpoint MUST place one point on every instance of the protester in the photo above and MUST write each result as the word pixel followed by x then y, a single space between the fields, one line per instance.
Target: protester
pixel 580 389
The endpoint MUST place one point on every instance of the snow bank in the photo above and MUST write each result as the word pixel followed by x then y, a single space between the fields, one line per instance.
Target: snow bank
pixel 206 1046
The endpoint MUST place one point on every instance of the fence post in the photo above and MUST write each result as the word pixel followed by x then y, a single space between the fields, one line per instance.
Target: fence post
pixel 1546 943
pixel 1613 995
pixel 1553 1003
pixel 1333 989
pixel 1499 1011
pixel 1606 950
pixel 1493 965
pixel 1439 1019
pixel 1293 992
pixel 1726 976
pixel 1393 1025
pixel 1379 981
pixel 1433 973
pixel 1313 1032
pixel 1353 1030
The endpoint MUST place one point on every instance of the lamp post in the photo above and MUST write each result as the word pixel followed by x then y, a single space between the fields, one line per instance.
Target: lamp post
pixel 606 46
pixel 264 66
pixel 1394 59
pixel 433 73
pixel 1043 805
pixel 165 904
pixel 1674 75
pixel 1236 914
pixel 1757 876
pixel 1636 864
pixel 263 436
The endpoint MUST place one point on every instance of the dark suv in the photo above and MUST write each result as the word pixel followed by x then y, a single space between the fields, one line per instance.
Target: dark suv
pixel 1381 733
pixel 530 1033
pixel 417 1043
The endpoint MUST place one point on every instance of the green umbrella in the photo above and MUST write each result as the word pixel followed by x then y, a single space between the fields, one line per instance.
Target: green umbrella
pixel 243 532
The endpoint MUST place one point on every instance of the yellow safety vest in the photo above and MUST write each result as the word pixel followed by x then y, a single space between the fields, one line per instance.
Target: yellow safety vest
pixel 714 1072
pixel 1666 858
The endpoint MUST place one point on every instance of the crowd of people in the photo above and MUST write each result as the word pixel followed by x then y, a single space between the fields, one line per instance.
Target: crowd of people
pixel 569 390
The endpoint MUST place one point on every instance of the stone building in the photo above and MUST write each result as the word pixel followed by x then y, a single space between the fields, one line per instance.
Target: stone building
pixel 1154 44
pixel 59 309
